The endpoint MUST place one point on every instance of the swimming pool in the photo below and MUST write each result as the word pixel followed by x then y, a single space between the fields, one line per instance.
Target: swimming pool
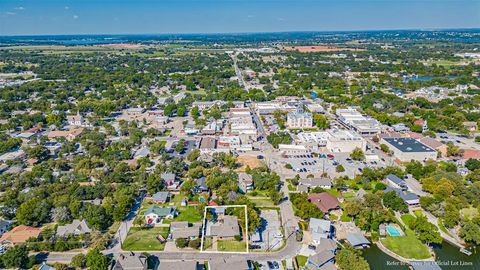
pixel 392 231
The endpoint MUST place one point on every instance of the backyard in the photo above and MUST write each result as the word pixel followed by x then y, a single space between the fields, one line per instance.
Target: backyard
pixel 407 246
pixel 145 238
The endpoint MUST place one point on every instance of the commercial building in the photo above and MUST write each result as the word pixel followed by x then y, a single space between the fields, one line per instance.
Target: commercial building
pixel 241 124
pixel 333 140
pixel 365 126
pixel 299 120
pixel 407 149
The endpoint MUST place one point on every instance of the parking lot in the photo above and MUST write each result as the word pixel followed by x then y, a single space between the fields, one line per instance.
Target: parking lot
pixel 327 163
pixel 271 235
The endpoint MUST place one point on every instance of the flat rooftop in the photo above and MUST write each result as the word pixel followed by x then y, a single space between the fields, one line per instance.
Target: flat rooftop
pixel 408 145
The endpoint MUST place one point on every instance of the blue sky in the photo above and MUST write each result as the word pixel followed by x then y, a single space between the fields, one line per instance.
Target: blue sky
pixel 37 17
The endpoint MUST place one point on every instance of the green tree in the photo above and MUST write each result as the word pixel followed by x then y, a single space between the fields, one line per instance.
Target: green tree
pixel 349 259
pixel 15 257
pixel 339 168
pixel 95 260
pixel 180 147
pixel 320 121
pixel 181 242
pixel 357 154
pixel 79 261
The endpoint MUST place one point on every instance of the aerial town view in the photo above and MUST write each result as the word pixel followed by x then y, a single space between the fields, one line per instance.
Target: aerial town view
pixel 239 135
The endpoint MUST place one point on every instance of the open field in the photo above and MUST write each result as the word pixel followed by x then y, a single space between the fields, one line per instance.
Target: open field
pixel 145 239
pixel 250 161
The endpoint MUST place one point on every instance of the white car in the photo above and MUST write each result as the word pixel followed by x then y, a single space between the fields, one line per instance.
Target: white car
pixel 278 235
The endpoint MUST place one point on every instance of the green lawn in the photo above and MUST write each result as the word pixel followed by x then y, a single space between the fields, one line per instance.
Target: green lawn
pixel 144 239
pixel 188 213
pixel 407 246
pixel 301 260
pixel 261 201
pixel 207 243
pixel 231 245
pixel 345 217
pixel 407 219
pixel 418 213
pixel 348 196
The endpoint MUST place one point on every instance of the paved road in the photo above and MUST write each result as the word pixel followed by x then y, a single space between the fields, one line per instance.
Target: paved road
pixel 241 80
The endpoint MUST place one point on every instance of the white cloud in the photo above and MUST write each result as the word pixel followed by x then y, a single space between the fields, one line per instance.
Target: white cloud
pixel 19 8
pixel 67 7
pixel 75 17
pixel 10 13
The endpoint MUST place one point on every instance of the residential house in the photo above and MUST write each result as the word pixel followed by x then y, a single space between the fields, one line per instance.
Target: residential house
pixel 170 181
pixel 182 229
pixel 70 134
pixel 77 227
pixel 155 214
pixel 324 201
pixel 322 182
pixel 470 126
pixel 408 197
pixel 20 235
pixel 319 229
pixel 396 182
pixel 75 120
pixel 225 227
pixel 201 185
pixel 435 145
pixel 161 197
pixel 222 263
pixel 245 182
pixel 131 261
pixel 319 260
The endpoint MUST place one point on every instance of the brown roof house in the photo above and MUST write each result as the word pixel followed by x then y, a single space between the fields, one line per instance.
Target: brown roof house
pixel 20 235
pixel 324 201
pixel 435 145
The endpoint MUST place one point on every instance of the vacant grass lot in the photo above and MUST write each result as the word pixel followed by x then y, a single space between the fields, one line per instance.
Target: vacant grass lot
pixel 407 246
pixel 145 239
pixel 188 213
pixel 232 245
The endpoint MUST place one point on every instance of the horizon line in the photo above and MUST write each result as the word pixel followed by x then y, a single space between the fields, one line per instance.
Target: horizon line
pixel 429 29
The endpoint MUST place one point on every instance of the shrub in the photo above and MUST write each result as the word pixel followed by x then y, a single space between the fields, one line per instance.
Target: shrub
pixel 181 242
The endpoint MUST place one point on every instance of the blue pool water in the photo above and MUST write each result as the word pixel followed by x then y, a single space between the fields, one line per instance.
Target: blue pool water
pixel 392 231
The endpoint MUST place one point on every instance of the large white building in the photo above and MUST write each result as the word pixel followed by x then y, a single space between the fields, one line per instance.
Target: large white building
pixel 365 126
pixel 332 140
pixel 299 120
pixel 241 125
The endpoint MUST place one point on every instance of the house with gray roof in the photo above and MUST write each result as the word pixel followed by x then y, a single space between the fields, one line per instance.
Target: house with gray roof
pixel 170 181
pixel 396 182
pixel 320 259
pixel 201 185
pixel 161 197
pixel 130 261
pixel 77 227
pixel 319 229
pixel 411 199
pixel 182 229
pixel 357 240
pixel 225 227
pixel 45 266
pixel 155 214
pixel 245 182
